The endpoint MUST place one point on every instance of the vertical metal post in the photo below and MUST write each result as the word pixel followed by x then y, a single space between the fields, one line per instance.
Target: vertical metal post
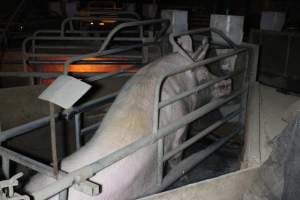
pixel 78 130
pixel 5 163
pixel 53 139
pixel 63 195
pixel 160 161
pixel 160 142
pixel 244 96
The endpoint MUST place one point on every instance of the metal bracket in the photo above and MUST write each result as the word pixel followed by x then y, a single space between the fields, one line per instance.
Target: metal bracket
pixel 7 189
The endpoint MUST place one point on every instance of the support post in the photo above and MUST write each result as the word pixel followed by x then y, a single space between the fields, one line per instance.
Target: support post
pixel 53 140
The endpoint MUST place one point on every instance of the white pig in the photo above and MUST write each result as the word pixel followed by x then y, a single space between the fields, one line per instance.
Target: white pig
pixel 131 118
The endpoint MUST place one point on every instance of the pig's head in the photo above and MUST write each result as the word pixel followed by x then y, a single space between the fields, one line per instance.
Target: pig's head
pixel 202 74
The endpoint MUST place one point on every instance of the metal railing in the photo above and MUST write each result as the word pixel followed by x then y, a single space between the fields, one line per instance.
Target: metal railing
pixel 78 177
pixel 141 39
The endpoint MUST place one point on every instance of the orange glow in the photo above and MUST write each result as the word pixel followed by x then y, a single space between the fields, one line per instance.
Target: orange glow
pixel 102 68
pixel 89 68
pixel 108 21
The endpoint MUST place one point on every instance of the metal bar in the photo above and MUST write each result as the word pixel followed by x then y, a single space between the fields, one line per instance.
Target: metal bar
pixel 189 163
pixel 103 56
pixel 200 135
pixel 90 128
pixel 78 32
pixel 97 54
pixel 89 105
pixel 72 38
pixel 5 162
pixel 196 89
pixel 63 195
pixel 104 76
pixel 132 24
pixel 24 128
pixel 134 14
pixel 78 130
pixel 53 139
pixel 6 167
pixel 49 75
pixel 160 163
pixel 86 187
pixel 70 19
pixel 80 62
pixel 90 170
pixel 19 130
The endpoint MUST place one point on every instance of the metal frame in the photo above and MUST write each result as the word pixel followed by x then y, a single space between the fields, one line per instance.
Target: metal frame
pixel 144 41
pixel 78 177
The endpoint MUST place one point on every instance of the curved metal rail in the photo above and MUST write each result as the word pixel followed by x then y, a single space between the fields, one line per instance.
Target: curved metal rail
pixel 172 37
pixel 111 35
pixel 69 21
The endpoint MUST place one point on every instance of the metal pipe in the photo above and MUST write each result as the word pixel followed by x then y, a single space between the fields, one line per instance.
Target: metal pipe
pixel 19 130
pixel 189 163
pixel 80 62
pixel 97 54
pixel 78 130
pixel 70 19
pixel 78 32
pixel 90 170
pixel 104 76
pixel 89 105
pixel 200 135
pixel 90 128
pixel 53 139
pixel 49 75
pixel 117 13
pixel 132 24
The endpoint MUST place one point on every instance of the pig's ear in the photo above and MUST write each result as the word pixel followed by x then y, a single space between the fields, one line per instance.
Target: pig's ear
pixel 200 53
pixel 186 43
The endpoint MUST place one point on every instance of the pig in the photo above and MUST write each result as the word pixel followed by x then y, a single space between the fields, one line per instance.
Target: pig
pixel 130 118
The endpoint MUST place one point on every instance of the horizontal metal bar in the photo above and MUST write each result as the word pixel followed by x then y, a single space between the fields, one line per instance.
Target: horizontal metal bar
pixel 89 105
pixel 200 135
pixel 196 89
pixel 72 38
pixel 48 75
pixel 104 76
pixel 90 170
pixel 19 130
pixel 25 128
pixel 103 53
pixel 80 62
pixel 70 19
pixel 34 55
pixel 90 128
pixel 90 47
pixel 79 32
pixel 86 187
pixel 190 162
pixel 117 13
pixel 206 62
